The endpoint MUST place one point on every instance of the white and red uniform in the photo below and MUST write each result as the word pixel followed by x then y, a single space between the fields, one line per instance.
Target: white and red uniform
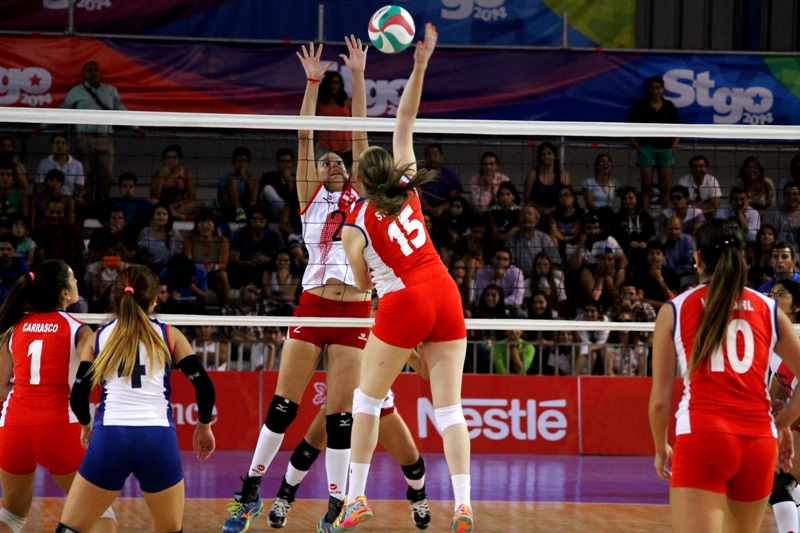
pixel 37 424
pixel 725 432
pixel 323 219
pixel 419 299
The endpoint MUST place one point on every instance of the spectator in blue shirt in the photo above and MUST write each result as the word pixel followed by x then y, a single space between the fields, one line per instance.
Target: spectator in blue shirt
pixel 129 204
pixel 254 247
pixel 11 267
pixel 439 191
pixel 679 248
pixel 784 261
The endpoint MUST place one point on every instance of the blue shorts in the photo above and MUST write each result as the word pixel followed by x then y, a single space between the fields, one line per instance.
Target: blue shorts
pixel 149 453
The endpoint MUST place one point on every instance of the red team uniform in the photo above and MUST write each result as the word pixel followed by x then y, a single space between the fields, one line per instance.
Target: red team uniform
pixel 726 437
pixel 37 425
pixel 419 301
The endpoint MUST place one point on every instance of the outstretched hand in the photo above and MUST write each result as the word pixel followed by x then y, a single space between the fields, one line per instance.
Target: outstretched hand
pixel 311 62
pixel 357 60
pixel 425 47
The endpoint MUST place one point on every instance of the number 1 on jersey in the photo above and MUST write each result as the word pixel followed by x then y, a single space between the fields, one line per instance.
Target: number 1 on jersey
pixel 35 353
pixel 396 234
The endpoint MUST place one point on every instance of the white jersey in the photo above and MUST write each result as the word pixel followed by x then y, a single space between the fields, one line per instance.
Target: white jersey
pixel 323 219
pixel 143 398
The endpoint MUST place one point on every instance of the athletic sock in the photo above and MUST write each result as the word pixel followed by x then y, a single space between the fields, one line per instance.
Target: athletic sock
pixel 358 481
pixel 785 516
pixel 336 465
pixel 461 488
pixel 268 445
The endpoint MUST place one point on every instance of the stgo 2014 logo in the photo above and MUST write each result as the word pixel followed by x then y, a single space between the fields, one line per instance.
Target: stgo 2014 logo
pixel 28 86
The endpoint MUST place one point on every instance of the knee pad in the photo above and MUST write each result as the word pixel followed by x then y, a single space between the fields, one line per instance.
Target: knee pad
pixel 15 523
pixel 366 405
pixel 339 428
pixel 109 513
pixel 449 416
pixel 304 456
pixel 280 415
pixel 64 529
pixel 782 488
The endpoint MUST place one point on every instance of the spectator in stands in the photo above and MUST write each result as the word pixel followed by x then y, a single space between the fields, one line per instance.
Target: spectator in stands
pixel 547 279
pixel 438 192
pixel 24 245
pixel 539 308
pixel 504 214
pixel 630 301
pixel 679 248
pixel 103 272
pixel 475 246
pixel 632 226
pixel 8 146
pixel 280 285
pixel 273 347
pixel 333 102
pixel 740 212
pixel 625 354
pixel 600 282
pixel 491 304
pixel 761 269
pixel 529 242
pixel 793 175
pixel 74 177
pixel 592 342
pixel 134 208
pixel 705 187
pixel 513 354
pixel 655 152
pixel 458 271
pixel 565 219
pixel 690 216
pixel 254 246
pixel 53 181
pixel 504 274
pixel 543 180
pixel 11 267
pixel 174 185
pixel 483 185
pixel 246 340
pixel 455 222
pixel 785 217
pixel 189 280
pixel 590 243
pixel 57 238
pixel 12 199
pixel 600 189
pixel 207 248
pixel 93 144
pixel 210 348
pixel 238 190
pixel 759 188
pixel 159 240
pixel 113 230
pixel 784 263
pixel 659 282
pixel 278 196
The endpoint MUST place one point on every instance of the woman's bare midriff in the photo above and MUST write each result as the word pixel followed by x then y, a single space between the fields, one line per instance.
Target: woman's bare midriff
pixel 335 289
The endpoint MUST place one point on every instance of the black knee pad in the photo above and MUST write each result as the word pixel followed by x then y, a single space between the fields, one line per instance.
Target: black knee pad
pixel 280 415
pixel 339 428
pixel 304 456
pixel 64 529
pixel 782 488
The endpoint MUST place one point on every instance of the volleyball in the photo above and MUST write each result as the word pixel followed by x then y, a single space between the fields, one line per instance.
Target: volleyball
pixel 391 29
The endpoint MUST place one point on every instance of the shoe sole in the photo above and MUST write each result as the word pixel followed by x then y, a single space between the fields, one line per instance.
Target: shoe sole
pixel 253 516
pixel 359 520
pixel 462 524
pixel 276 526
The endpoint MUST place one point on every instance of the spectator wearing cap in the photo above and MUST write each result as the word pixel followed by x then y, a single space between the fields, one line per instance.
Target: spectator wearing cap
pixel 529 242
pixel 690 216
pixel 658 282
pixel 740 212
pixel 11 267
pixel 502 273
pixel 590 243
pixel 785 217
pixel 703 187
pixel 679 248
pixel 438 192
pixel 238 190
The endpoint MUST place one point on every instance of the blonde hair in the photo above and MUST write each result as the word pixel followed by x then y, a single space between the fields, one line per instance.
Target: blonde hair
pixel 134 290
pixel 384 184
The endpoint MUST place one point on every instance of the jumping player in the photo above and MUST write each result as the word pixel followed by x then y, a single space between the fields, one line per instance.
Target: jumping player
pixel 134 432
pixel 722 336
pixel 326 196
pixel 386 242
pixel 37 425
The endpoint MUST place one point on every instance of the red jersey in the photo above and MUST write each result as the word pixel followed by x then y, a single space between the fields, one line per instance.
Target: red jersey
pixel 399 250
pixel 729 393
pixel 44 348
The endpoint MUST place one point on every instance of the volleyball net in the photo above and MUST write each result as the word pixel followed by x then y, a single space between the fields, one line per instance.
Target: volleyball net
pixel 597 160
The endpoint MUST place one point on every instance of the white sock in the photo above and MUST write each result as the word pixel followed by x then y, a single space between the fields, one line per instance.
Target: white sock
pixel 785 516
pixel 358 481
pixel 336 463
pixel 416 484
pixel 268 445
pixel 461 488
pixel 294 476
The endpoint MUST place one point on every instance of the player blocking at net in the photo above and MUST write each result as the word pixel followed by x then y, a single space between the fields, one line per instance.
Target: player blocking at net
pixel 325 195
pixel 386 243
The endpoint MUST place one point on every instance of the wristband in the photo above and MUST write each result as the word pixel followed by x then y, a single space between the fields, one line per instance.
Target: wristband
pixel 312 80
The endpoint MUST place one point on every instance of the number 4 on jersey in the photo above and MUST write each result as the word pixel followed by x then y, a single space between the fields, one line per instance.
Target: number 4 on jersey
pixel 410 226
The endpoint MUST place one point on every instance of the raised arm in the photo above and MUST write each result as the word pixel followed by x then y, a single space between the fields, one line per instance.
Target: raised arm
pixel 402 141
pixel 356 61
pixel 306 160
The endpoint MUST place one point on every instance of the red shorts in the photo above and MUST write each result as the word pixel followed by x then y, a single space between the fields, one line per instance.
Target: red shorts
pixel 740 467
pixel 313 305
pixel 57 447
pixel 429 311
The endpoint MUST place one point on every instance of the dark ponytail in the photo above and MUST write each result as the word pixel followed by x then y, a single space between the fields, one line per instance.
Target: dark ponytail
pixel 719 243
pixel 385 185
pixel 40 292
